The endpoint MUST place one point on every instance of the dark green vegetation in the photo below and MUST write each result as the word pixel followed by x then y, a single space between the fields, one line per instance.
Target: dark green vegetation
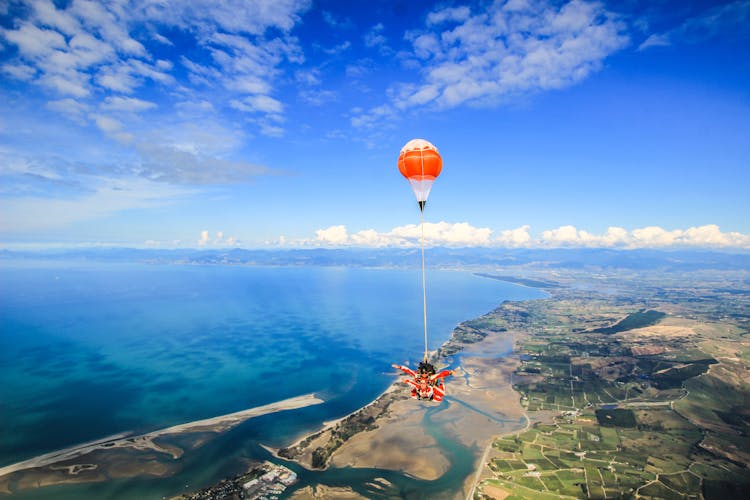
pixel 632 321
pixel 640 392
pixel 359 421
pixel 615 418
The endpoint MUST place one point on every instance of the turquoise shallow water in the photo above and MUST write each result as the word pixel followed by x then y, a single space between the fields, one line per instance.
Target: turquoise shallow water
pixel 90 350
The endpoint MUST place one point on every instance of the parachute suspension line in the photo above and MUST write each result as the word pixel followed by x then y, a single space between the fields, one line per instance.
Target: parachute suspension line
pixel 424 287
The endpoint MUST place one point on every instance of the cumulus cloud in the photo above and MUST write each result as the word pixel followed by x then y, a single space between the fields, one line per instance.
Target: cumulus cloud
pixel 463 234
pixel 518 237
pixel 204 239
pixel 219 240
pixel 435 234
pixel 498 50
pixel 708 236
pixel 334 235
pixel 86 50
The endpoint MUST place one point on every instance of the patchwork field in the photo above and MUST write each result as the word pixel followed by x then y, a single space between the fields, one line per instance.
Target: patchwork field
pixel 634 394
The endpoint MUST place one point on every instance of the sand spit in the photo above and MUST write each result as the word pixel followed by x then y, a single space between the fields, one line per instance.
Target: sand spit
pixel 125 455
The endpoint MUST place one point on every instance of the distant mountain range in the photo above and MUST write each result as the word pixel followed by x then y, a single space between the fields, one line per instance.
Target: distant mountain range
pixel 436 257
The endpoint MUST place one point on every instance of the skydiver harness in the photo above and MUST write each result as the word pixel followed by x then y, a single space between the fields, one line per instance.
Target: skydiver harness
pixel 426 383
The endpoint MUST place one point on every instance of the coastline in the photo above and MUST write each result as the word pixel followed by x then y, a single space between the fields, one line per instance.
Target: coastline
pixel 390 432
pixel 95 460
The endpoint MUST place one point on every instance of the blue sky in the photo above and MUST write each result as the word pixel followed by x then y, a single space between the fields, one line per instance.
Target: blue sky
pixel 278 123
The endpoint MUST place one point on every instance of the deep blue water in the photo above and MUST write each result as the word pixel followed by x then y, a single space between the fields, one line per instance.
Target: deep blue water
pixel 90 350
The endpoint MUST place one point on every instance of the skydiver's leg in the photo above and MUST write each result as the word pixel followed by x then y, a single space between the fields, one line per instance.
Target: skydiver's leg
pixel 439 391
pixel 415 388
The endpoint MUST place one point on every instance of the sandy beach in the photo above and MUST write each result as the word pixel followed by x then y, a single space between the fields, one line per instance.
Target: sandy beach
pixel 115 456
pixel 481 404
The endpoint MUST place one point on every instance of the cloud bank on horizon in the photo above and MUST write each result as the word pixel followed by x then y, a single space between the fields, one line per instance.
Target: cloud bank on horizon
pixel 134 121
pixel 462 234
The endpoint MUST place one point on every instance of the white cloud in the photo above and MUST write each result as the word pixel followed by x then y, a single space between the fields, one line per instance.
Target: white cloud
pixel 518 237
pixel 503 49
pixel 162 39
pixel 374 37
pixel 258 103
pixel 118 79
pixel 615 236
pixel 656 40
pixel 34 42
pixel 102 198
pixel 86 50
pixel 271 130
pixel 249 84
pixel 193 108
pixel 444 233
pixel 49 15
pixel 107 124
pixel 441 233
pixel 70 107
pixel 708 236
pixel 334 235
pixel 203 241
pixel 338 49
pixel 128 104
pixel 22 72
pixel 463 234
pixel 725 20
pixel 457 14
pixel 73 83
pixel 374 117
pixel 252 17
pixel 360 69
pixel 334 22
pixel 567 235
pixel 217 242
pixel 317 97
pixel 112 127
pixel 166 163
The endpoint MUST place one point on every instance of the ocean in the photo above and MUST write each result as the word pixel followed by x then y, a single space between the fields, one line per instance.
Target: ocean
pixel 89 350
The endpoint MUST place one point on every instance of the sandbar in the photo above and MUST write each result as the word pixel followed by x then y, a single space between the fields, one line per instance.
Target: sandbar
pixel 127 455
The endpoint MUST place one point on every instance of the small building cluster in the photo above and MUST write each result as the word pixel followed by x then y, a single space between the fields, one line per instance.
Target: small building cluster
pixel 263 481
pixel 271 484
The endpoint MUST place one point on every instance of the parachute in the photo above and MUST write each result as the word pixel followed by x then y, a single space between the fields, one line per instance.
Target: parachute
pixel 420 162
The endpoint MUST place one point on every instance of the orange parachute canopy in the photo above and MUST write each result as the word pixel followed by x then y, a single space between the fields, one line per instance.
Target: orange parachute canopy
pixel 420 163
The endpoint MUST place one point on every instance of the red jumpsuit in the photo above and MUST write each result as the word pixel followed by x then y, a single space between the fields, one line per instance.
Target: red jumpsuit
pixel 425 386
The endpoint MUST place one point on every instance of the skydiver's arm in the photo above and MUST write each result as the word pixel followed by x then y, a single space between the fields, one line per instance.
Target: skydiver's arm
pixel 442 374
pixel 411 382
pixel 406 370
